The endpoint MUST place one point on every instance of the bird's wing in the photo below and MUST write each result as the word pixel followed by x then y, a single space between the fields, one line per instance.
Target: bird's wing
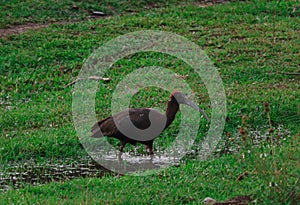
pixel 140 117
pixel 240 200
pixel 106 126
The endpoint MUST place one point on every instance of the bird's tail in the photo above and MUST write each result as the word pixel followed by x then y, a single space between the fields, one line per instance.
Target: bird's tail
pixel 96 131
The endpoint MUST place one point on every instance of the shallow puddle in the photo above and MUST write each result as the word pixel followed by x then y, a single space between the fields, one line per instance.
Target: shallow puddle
pixel 35 173
pixel 30 172
pixel 128 163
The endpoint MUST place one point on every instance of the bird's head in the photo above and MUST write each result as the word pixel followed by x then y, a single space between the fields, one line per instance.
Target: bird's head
pixel 180 98
pixel 209 201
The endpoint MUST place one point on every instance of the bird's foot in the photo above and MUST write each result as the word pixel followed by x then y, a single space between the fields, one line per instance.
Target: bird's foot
pixel 120 156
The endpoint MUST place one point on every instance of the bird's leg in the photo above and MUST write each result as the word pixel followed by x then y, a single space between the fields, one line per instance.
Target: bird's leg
pixel 122 147
pixel 120 157
pixel 150 146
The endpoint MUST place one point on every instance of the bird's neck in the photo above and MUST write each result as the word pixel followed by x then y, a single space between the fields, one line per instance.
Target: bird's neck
pixel 171 111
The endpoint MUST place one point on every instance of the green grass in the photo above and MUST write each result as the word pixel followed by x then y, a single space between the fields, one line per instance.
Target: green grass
pixel 251 44
pixel 38 11
pixel 189 183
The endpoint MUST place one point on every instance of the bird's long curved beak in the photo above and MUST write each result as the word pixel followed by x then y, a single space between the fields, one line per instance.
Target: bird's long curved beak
pixel 193 105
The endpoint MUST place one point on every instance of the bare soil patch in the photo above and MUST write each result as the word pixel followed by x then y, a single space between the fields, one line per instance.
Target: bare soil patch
pixel 23 28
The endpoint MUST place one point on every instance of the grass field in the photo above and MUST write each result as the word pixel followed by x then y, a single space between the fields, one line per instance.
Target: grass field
pixel 255 47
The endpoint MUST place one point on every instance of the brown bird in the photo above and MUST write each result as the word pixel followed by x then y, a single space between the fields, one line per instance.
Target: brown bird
pixel 240 200
pixel 140 118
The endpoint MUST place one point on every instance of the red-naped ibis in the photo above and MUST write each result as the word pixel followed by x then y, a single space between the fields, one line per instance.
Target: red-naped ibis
pixel 140 119
pixel 240 200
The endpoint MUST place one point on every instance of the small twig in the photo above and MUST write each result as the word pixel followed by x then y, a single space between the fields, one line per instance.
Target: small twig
pixel 98 13
pixel 288 73
pixel 285 73
pixel 196 29
pixel 89 78
pixel 184 77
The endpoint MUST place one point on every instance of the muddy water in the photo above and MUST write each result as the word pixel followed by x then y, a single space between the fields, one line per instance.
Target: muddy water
pixel 35 173
pixel 31 172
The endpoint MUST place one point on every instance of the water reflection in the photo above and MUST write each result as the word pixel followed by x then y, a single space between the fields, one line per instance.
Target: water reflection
pixel 128 163
pixel 31 172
